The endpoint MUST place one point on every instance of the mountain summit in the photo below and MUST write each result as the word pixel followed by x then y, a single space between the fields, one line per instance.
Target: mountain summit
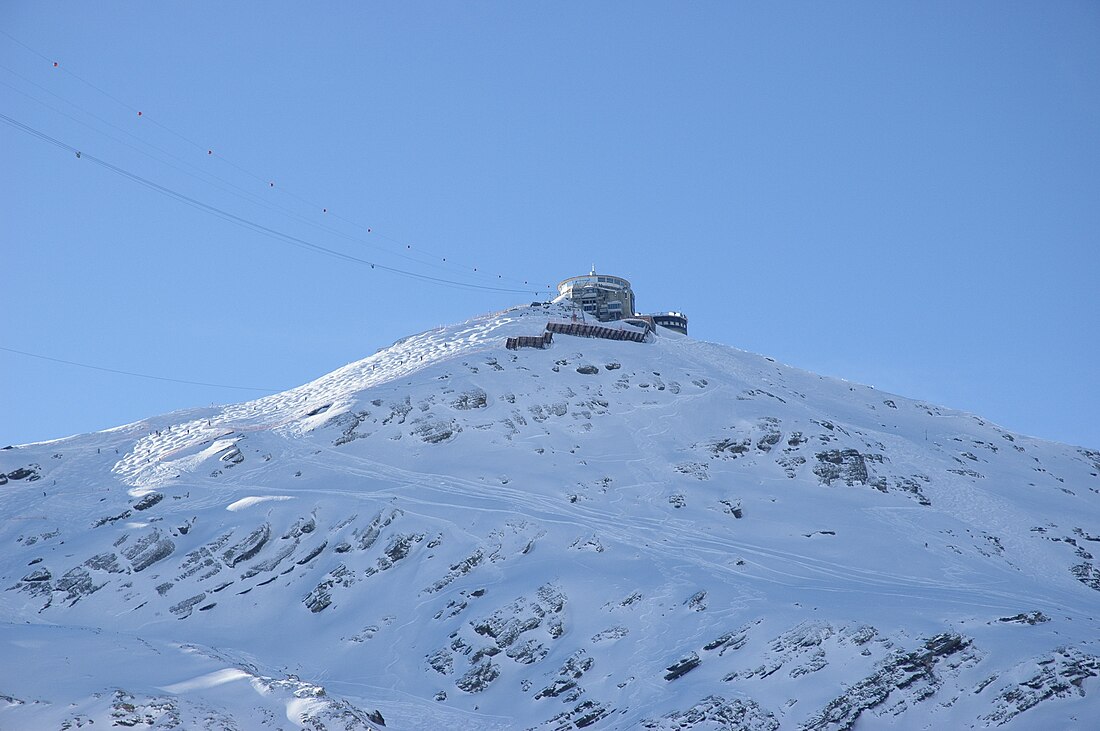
pixel 592 533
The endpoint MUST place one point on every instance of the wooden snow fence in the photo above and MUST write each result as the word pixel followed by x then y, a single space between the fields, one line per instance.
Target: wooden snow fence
pixel 577 329
pixel 530 341
pixel 583 330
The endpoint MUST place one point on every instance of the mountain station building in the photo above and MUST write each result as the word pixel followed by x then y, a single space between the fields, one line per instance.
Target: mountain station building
pixel 607 298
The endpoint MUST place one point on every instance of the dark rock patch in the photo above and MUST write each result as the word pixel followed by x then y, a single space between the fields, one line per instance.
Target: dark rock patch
pixel 148 501
pixel 683 666
pixel 715 712
pixel 29 473
pixel 913 673
pixel 147 550
pixel 478 678
pixel 247 548
pixel 1035 617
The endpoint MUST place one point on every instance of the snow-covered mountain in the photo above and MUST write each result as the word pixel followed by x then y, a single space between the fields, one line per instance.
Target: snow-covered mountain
pixel 603 534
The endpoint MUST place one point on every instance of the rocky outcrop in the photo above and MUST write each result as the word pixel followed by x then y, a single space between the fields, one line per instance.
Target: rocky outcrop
pixel 30 473
pixel 715 712
pixel 148 501
pixel 913 674
pixel 1061 674
pixel 683 666
pixel 247 547
pixel 148 549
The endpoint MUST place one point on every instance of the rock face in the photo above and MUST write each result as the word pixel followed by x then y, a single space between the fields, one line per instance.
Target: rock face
pixel 1061 674
pixel 601 534
pixel 715 712
pixel 910 674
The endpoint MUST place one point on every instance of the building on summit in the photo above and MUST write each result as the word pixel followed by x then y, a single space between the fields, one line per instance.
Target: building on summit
pixel 604 297
pixel 608 298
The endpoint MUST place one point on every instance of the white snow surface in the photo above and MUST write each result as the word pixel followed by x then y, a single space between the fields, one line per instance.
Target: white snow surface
pixel 603 534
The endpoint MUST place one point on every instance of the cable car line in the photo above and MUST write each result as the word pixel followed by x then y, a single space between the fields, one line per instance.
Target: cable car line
pixel 244 222
pixel 236 189
pixel 136 375
pixel 232 189
pixel 433 260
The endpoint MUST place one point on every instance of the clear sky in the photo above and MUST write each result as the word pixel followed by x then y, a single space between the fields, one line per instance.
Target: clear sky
pixel 904 194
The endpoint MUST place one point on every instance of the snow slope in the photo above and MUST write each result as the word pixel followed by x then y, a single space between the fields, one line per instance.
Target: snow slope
pixel 603 534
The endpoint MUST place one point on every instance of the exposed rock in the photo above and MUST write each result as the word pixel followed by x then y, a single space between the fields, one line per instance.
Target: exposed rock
pixel 1087 574
pixel 248 547
pixel 475 399
pixel 106 562
pixel 349 423
pixel 771 435
pixel 1060 675
pixel 698 470
pixel 112 519
pixel 844 464
pixel 732 508
pixel 29 473
pixel 527 652
pixel 911 486
pixel 321 596
pixel 461 568
pixel 478 677
pixel 397 549
pixel 802 649
pixel 715 712
pixel 301 527
pixel 729 641
pixel 697 601
pixel 437 431
pixel 683 666
pixel 912 673
pixel 312 554
pixel 148 549
pixel 148 501
pixel 586 713
pixel 272 563
pixel 76 583
pixel 38 575
pixel 565 684
pixel 204 559
pixel 367 536
pixel 1035 617
pixel 183 609
pixel 731 448
pixel 506 625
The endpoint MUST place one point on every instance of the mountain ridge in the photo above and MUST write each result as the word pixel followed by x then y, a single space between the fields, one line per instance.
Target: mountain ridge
pixel 603 534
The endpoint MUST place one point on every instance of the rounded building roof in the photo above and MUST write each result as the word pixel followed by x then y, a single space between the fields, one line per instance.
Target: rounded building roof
pixel 592 279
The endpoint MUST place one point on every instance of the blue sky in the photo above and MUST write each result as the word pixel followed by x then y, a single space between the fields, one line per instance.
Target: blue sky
pixel 901 194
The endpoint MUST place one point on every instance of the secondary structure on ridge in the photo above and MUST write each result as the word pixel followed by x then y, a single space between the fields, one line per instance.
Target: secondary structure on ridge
pixel 606 298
